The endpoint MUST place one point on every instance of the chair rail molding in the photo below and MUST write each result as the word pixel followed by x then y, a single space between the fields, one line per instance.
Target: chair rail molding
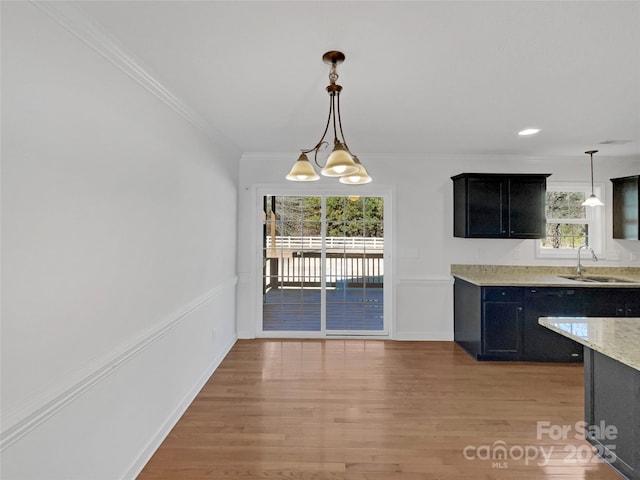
pixel 30 415
pixel 425 280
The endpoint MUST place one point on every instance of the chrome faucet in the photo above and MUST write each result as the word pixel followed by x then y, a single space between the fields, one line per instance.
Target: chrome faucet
pixel 593 255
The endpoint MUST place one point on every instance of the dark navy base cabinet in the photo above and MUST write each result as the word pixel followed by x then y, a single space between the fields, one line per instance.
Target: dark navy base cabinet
pixel 501 323
pixel 488 321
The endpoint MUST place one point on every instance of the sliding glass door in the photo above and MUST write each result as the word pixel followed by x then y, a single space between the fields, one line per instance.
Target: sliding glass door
pixel 292 273
pixel 323 265
pixel 354 246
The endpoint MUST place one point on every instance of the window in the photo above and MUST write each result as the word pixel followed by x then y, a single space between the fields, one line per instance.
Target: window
pixel 569 224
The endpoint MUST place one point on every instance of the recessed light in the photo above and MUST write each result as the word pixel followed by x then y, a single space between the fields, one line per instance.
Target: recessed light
pixel 615 142
pixel 529 131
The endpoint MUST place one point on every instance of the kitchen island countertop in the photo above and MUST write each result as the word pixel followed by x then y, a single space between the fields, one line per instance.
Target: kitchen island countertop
pixel 615 337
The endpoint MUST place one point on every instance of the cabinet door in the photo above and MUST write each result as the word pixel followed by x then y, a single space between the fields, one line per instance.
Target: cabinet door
pixel 626 208
pixel 527 207
pixel 605 302
pixel 487 207
pixel 632 308
pixel 501 325
pixel 612 302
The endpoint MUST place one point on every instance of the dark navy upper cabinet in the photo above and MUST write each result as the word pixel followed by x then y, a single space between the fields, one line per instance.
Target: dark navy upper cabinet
pixel 626 208
pixel 488 205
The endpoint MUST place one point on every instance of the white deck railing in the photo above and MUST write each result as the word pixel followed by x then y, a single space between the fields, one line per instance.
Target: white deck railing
pixel 340 270
pixel 315 243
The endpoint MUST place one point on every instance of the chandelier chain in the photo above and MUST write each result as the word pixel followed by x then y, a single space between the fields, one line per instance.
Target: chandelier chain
pixel 333 74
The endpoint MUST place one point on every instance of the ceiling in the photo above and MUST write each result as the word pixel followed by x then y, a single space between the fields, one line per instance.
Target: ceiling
pixel 420 77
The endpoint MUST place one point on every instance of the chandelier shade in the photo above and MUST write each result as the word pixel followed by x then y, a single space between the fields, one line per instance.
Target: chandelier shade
pixel 341 162
pixel 359 178
pixel 302 171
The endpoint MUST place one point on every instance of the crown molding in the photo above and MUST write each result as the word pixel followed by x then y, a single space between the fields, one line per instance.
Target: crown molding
pixel 96 38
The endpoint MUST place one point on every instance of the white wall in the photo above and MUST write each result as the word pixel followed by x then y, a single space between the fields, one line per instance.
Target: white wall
pixel 118 258
pixel 424 243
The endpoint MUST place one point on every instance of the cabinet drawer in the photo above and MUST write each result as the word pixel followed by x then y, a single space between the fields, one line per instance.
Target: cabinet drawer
pixel 502 294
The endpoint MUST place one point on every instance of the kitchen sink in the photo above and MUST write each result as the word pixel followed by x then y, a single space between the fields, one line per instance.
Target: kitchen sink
pixel 595 279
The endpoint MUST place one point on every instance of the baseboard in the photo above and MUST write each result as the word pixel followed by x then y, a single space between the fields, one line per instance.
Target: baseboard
pixel 146 454
pixel 424 336
pixel 244 335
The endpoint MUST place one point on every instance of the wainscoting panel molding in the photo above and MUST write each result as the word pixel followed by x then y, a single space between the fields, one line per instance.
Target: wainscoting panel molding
pixel 165 428
pixel 424 308
pixel 22 421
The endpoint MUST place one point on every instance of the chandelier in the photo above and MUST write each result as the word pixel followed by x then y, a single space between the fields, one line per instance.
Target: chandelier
pixel 341 162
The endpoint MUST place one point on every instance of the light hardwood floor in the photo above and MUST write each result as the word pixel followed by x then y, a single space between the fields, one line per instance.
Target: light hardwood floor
pixel 377 410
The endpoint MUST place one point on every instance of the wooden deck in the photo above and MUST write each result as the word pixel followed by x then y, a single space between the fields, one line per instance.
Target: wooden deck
pixel 299 309
pixel 378 410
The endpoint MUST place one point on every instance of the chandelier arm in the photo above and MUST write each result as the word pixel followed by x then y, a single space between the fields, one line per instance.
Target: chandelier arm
pixel 333 102
pixel 324 134
pixel 344 142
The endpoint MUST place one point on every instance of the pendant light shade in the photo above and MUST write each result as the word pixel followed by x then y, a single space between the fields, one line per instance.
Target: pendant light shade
pixel 302 171
pixel 359 178
pixel 341 162
pixel 592 201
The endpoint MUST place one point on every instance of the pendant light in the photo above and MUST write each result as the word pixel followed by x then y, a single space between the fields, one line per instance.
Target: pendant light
pixel 341 162
pixel 592 201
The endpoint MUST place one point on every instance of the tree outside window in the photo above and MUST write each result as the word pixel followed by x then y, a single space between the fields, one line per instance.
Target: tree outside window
pixel 569 224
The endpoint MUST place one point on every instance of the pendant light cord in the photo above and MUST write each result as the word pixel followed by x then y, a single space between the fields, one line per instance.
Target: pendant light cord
pixel 592 174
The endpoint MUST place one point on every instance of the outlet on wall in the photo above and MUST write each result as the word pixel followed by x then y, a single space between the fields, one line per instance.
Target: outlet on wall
pixel 213 334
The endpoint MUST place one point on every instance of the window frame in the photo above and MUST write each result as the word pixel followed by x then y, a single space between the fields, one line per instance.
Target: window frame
pixel 595 218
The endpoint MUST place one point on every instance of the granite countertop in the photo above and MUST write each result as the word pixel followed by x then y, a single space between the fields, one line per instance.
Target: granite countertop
pixel 616 337
pixel 544 276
